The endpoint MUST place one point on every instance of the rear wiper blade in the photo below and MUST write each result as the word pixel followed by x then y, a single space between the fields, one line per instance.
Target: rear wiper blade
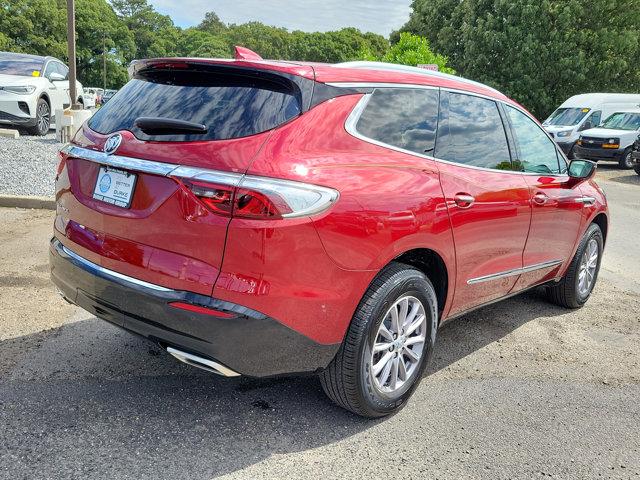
pixel 168 126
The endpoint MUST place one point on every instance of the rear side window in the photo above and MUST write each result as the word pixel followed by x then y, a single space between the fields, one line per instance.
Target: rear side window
pixel 231 105
pixel 404 118
pixel 471 132
pixel 536 152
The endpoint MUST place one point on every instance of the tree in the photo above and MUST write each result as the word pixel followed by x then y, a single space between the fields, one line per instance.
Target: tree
pixel 96 25
pixel 33 26
pixel 194 42
pixel 155 34
pixel 212 24
pixel 539 52
pixel 414 50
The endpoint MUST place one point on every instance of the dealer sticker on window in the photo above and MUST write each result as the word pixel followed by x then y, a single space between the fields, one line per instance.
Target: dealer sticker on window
pixel 115 186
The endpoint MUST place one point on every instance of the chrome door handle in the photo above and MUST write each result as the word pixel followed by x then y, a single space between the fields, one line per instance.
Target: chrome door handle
pixel 540 198
pixel 463 200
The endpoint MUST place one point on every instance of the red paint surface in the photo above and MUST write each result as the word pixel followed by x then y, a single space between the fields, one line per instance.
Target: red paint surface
pixel 310 273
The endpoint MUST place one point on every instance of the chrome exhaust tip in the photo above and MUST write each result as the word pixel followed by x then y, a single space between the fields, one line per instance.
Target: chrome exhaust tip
pixel 203 363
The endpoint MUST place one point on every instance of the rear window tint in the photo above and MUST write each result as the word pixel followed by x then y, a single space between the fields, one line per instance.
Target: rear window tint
pixel 402 117
pixel 230 105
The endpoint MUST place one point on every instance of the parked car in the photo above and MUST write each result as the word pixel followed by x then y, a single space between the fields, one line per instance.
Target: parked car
pixel 612 140
pixel 268 218
pixel 635 155
pixel 92 97
pixel 585 111
pixel 32 88
pixel 87 100
pixel 108 94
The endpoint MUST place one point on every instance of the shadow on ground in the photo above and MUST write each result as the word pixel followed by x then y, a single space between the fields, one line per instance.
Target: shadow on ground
pixel 91 401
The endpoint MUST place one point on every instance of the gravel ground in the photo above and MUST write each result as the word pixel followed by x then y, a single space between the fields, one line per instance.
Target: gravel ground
pixel 28 165
pixel 518 390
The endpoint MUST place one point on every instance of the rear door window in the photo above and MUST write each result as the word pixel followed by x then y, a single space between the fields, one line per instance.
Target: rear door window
pixel 402 117
pixel 471 132
pixel 229 104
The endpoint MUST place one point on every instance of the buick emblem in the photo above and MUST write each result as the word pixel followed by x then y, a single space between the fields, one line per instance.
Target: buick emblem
pixel 112 144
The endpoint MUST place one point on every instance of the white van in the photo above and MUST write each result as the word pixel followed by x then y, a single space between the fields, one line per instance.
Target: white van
pixel 612 140
pixel 585 111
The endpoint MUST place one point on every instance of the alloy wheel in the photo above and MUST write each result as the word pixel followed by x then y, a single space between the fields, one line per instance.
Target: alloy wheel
pixel 588 266
pixel 42 117
pixel 399 345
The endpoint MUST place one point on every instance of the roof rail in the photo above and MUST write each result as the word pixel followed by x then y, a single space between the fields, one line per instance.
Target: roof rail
pixel 394 67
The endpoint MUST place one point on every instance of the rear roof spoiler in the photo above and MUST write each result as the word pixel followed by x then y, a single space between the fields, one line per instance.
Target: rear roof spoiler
pixel 310 92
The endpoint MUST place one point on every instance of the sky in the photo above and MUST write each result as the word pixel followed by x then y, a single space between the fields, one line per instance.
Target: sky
pixel 379 16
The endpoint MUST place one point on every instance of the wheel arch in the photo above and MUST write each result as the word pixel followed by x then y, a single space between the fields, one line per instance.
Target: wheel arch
pixel 432 264
pixel 603 222
pixel 45 96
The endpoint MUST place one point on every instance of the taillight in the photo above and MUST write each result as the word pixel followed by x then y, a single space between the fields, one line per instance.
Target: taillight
pixel 219 198
pixel 248 196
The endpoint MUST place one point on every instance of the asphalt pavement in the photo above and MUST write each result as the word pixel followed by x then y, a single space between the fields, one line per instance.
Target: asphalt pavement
pixel 519 389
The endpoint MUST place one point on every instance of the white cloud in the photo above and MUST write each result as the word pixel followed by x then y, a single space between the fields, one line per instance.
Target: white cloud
pixel 380 16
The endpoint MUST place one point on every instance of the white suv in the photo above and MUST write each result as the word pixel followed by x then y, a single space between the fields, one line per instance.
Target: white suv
pixel 32 88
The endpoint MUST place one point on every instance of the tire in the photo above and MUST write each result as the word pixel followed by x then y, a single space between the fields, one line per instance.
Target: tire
pixel 637 169
pixel 43 119
pixel 349 379
pixel 626 162
pixel 568 292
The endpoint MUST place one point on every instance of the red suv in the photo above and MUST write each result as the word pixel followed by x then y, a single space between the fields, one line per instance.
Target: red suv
pixel 262 218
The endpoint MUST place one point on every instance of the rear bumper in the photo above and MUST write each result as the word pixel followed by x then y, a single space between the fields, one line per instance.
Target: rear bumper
pixel 597 153
pixel 244 340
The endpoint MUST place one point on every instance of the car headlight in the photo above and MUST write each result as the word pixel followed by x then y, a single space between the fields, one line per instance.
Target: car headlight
pixel 564 133
pixel 20 89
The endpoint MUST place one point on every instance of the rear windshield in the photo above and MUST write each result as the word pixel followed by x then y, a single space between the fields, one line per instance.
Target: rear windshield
pixel 231 105
pixel 566 116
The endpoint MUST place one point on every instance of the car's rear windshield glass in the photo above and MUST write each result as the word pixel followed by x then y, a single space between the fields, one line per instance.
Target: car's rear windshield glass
pixel 623 121
pixel 566 116
pixel 24 66
pixel 230 105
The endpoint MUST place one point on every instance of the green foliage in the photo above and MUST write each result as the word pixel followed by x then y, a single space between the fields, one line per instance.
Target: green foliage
pixel 33 26
pixel 120 31
pixel 414 50
pixel 193 42
pixel 539 52
pixel 96 26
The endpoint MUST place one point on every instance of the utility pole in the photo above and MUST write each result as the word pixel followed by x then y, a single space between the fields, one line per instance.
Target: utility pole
pixel 104 61
pixel 71 51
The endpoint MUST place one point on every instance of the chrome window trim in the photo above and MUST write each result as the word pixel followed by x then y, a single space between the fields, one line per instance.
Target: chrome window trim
pixel 354 116
pixel 92 267
pixel 515 271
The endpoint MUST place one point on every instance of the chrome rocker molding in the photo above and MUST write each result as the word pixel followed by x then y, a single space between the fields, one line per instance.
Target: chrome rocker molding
pixel 105 272
pixel 515 271
pixel 203 363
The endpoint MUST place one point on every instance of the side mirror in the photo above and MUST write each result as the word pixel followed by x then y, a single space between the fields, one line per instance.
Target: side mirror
pixel 586 125
pixel 56 77
pixel 581 170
